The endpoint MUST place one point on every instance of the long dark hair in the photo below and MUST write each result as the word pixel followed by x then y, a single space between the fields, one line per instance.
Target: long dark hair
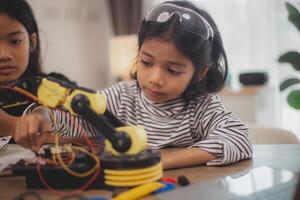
pixel 21 11
pixel 209 53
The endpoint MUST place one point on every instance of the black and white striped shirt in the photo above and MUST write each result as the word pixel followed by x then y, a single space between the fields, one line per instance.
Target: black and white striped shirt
pixel 204 123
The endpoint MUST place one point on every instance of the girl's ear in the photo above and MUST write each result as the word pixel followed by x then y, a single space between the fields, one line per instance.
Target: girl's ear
pixel 203 72
pixel 33 42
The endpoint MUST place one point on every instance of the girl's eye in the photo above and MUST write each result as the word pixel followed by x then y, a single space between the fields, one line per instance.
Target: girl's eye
pixel 145 63
pixel 174 72
pixel 16 42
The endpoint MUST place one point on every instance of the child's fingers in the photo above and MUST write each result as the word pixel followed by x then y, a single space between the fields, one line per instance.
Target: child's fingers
pixel 30 130
pixel 34 138
pixel 21 132
pixel 37 129
pixel 39 139
pixel 33 130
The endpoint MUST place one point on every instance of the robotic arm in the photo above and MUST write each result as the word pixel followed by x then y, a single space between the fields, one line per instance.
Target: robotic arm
pixel 90 105
pixel 125 162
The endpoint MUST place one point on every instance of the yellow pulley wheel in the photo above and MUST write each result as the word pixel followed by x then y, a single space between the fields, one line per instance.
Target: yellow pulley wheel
pixel 132 177
pixel 133 171
pixel 133 183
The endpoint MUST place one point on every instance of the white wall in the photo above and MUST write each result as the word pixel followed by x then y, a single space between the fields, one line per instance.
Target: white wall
pixel 74 36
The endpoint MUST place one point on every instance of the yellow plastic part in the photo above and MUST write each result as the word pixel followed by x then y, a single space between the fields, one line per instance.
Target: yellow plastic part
pixel 133 183
pixel 97 101
pixel 138 138
pixel 51 94
pixel 132 177
pixel 133 171
pixel 139 191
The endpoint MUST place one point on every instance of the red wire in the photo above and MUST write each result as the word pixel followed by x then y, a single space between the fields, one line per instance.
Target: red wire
pixel 38 167
pixel 85 186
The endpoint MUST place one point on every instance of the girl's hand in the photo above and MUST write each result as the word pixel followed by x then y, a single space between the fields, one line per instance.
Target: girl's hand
pixel 34 129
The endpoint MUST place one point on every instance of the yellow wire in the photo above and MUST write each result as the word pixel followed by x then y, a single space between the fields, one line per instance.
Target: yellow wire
pixel 81 175
pixel 16 104
pixel 72 156
pixel 67 169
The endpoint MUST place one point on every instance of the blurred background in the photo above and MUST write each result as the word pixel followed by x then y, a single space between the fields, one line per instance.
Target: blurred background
pixel 94 43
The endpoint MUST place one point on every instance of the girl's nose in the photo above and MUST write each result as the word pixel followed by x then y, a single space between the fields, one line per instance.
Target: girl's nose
pixel 156 76
pixel 5 54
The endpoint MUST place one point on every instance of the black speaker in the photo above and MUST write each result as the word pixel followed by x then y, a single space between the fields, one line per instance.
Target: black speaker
pixel 253 78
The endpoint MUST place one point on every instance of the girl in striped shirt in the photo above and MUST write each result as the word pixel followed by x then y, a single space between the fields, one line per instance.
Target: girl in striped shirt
pixel 181 64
